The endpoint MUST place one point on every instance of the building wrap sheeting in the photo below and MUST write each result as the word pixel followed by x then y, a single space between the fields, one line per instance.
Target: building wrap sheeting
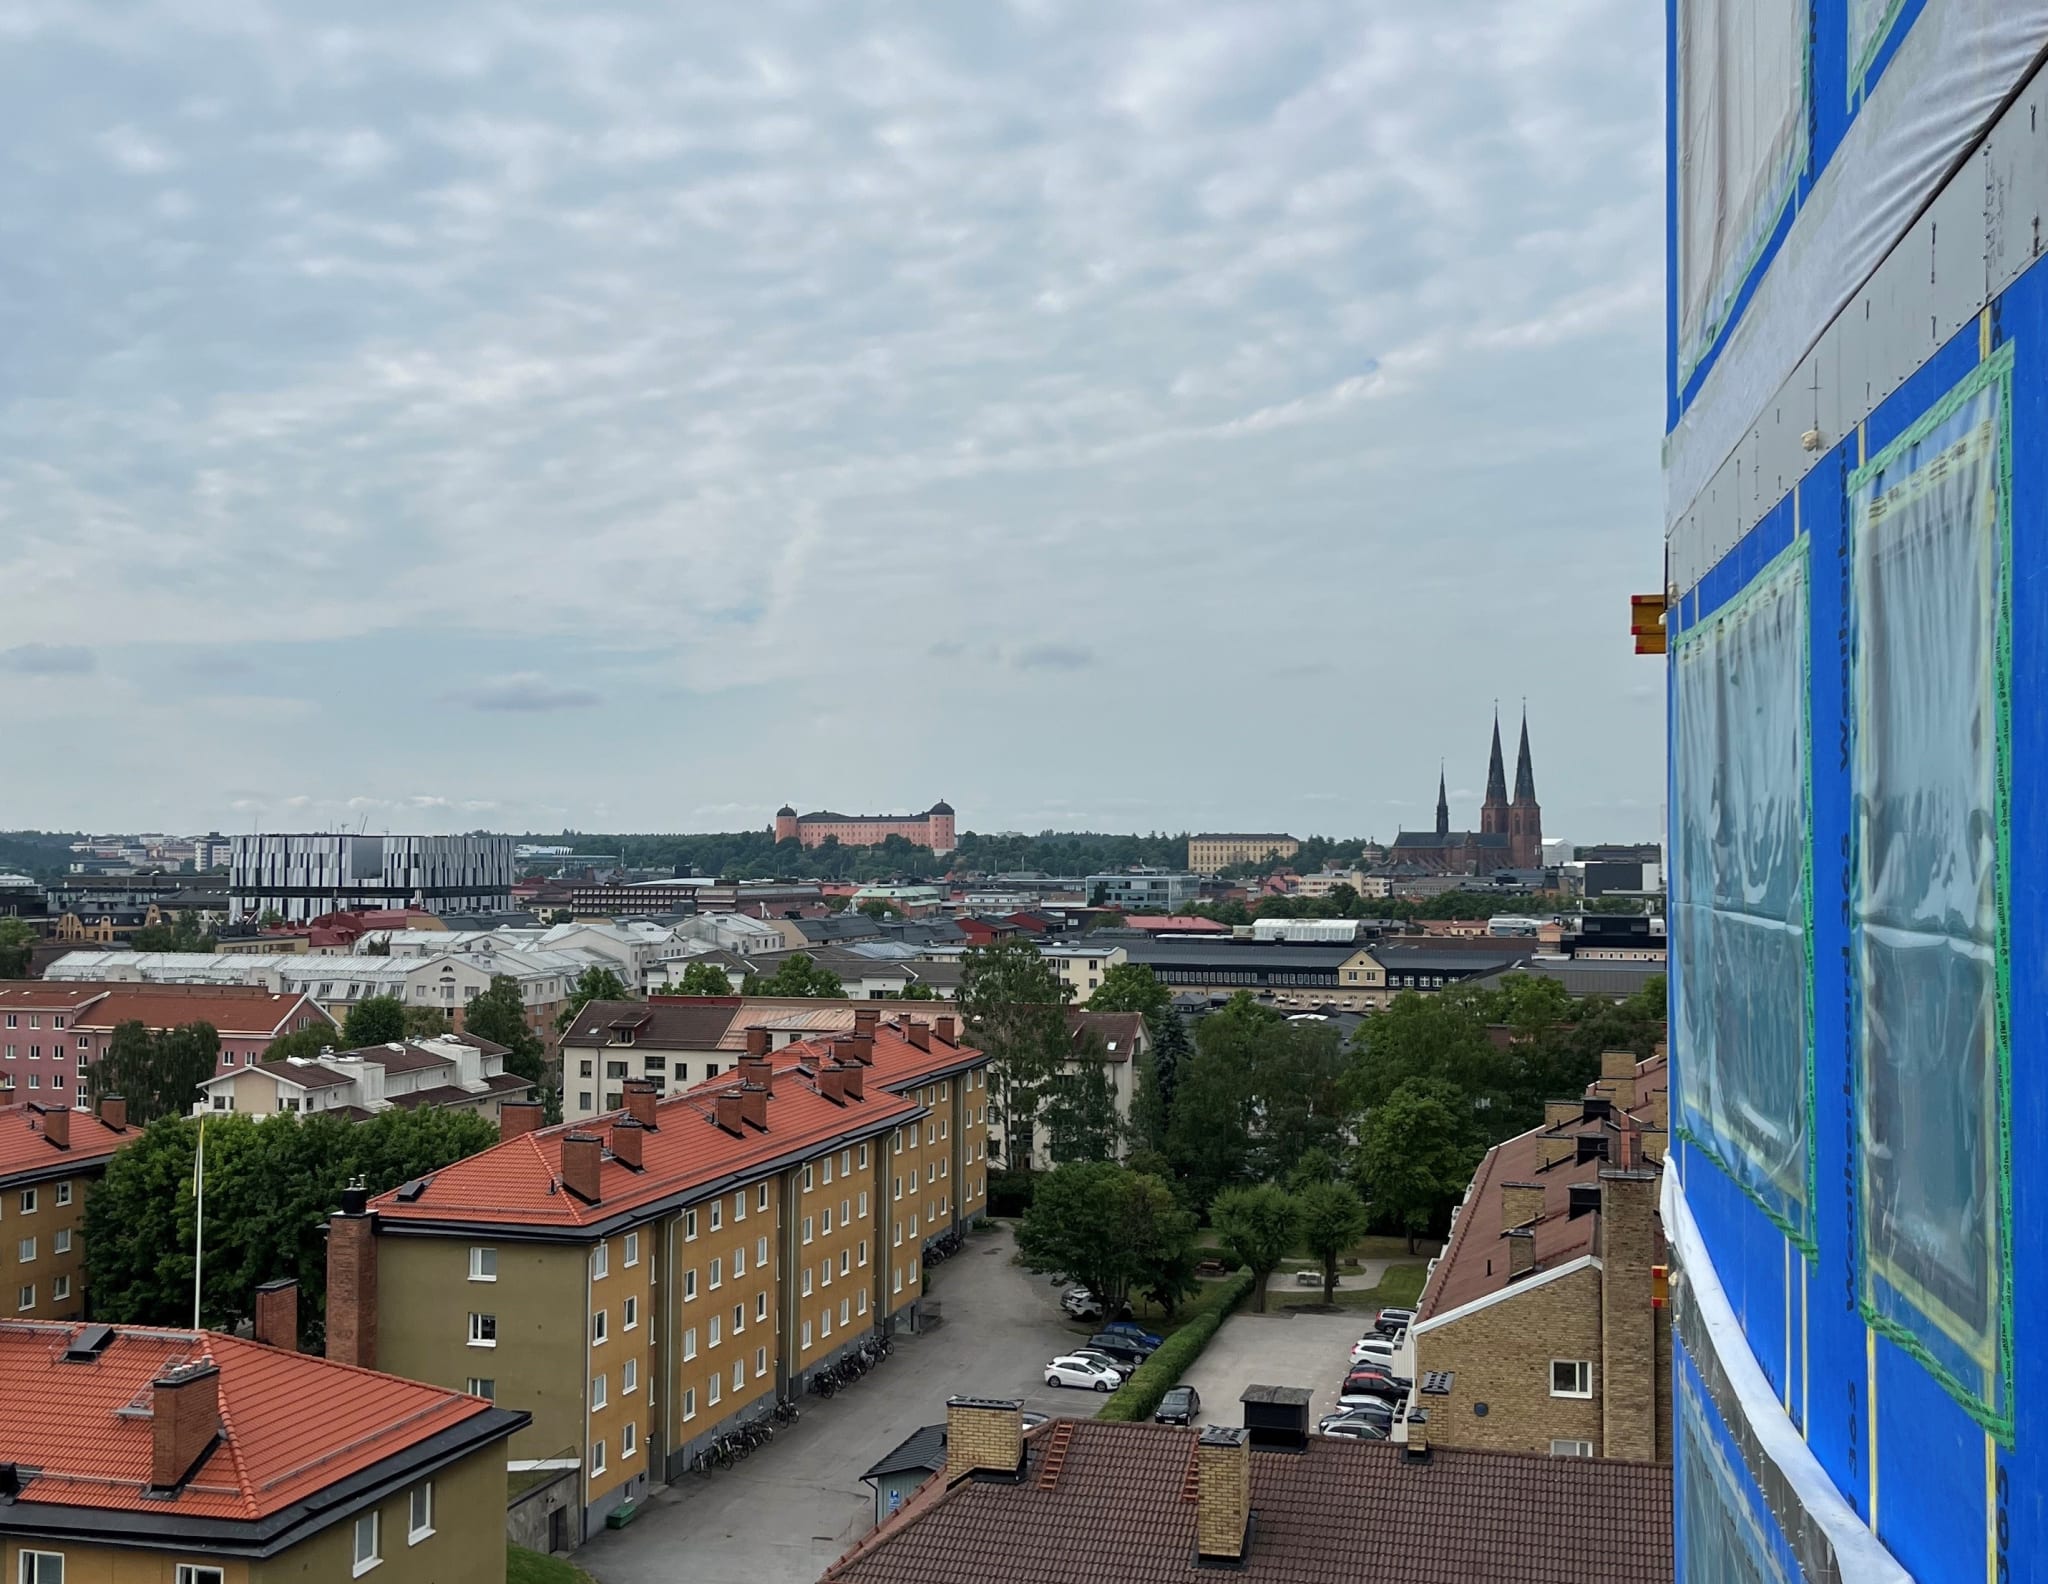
pixel 1742 890
pixel 1875 157
pixel 1930 638
pixel 1742 85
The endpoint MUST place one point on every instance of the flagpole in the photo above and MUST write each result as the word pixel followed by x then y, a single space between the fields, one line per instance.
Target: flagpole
pixel 199 1228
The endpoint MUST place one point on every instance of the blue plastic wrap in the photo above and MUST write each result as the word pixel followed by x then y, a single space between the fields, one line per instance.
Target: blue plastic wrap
pixel 1928 644
pixel 1742 888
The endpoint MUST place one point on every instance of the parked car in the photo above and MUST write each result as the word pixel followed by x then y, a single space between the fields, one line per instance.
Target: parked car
pixel 1370 1408
pixel 1123 1370
pixel 1070 1370
pixel 1081 1303
pixel 1033 1418
pixel 1377 1348
pixel 1392 1322
pixel 1359 1430
pixel 1178 1407
pixel 1134 1331
pixel 1120 1347
pixel 1372 1383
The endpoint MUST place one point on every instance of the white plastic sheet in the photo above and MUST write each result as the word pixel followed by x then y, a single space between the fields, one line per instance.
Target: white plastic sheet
pixel 1740 911
pixel 1742 86
pixel 1928 568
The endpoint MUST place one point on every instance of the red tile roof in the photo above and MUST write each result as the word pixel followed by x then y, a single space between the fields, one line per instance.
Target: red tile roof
pixel 1119 1031
pixel 1179 924
pixel 243 1011
pixel 42 995
pixel 85 1427
pixel 1120 1509
pixel 26 1150
pixel 1475 1262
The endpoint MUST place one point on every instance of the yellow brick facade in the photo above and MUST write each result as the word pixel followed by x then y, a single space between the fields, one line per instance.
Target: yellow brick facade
pixel 42 1249
pixel 1500 1355
pixel 723 1292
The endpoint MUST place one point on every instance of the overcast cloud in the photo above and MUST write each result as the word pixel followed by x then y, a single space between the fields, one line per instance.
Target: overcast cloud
pixel 1154 415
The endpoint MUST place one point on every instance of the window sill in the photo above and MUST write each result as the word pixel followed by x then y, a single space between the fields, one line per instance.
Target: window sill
pixel 417 1535
pixel 365 1567
pixel 476 1344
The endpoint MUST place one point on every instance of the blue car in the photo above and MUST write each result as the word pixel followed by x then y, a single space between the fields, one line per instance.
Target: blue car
pixel 1131 1329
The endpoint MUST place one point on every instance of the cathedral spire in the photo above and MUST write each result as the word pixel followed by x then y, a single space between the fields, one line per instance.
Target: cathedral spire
pixel 1496 772
pixel 1525 773
pixel 1443 805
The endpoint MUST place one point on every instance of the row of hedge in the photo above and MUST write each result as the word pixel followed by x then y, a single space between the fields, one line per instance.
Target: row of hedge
pixel 1139 1396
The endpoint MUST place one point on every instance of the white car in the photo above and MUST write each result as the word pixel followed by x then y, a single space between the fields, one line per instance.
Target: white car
pixel 1376 1348
pixel 1080 1303
pixel 1073 1370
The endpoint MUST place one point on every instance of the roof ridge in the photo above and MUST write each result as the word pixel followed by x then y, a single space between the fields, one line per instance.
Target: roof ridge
pixel 245 1487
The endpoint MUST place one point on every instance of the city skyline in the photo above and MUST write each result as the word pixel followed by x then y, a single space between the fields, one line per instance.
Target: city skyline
pixel 399 419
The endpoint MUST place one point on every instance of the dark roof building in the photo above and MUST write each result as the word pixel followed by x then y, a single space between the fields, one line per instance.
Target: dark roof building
pixel 1081 1501
pixel 1510 834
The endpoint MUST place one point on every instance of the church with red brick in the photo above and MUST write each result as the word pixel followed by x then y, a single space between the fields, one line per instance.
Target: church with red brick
pixel 1510 834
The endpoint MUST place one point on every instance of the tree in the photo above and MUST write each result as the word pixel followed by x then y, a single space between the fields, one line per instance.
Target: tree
pixel 379 1020
pixel 1209 1126
pixel 307 1043
pixel 271 1184
pixel 1300 1092
pixel 1332 1219
pixel 1414 1157
pixel 918 990
pixel 17 946
pixel 703 979
pixel 1132 987
pixel 1014 1007
pixel 876 908
pixel 1106 1227
pixel 159 1073
pixel 797 975
pixel 499 1015
pixel 1258 1226
pixel 593 984
pixel 1080 1108
pixel 425 1022
pixel 182 934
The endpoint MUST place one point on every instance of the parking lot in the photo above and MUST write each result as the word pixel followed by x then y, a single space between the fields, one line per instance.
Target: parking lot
pixel 1280 1349
pixel 786 1513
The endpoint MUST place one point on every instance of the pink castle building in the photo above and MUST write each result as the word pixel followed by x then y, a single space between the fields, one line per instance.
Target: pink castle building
pixel 933 828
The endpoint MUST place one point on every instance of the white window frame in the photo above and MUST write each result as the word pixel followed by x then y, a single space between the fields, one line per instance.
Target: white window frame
pixel 1584 1374
pixel 415 1530
pixel 483 1263
pixel 63 1193
pixel 629 1378
pixel 597 1463
pixel 484 1386
pixel 600 1391
pixel 760 1362
pixel 200 1573
pixel 477 1327
pixel 600 1327
pixel 689 1343
pixel 629 1439
pixel 600 1262
pixel 1582 1449
pixel 363 1564
pixel 32 1570
pixel 632 1251
pixel 689 1403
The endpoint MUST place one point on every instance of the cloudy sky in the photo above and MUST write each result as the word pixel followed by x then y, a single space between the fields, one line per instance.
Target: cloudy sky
pixel 628 417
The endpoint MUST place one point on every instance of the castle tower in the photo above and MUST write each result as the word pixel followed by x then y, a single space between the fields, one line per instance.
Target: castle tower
pixel 1525 815
pixel 785 823
pixel 939 827
pixel 1493 813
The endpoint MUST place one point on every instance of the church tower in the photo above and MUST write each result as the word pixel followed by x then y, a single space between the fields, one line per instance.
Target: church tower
pixel 1443 806
pixel 1493 813
pixel 1525 815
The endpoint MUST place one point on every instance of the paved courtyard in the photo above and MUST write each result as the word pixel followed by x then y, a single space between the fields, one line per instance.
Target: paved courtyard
pixel 1279 1349
pixel 786 1513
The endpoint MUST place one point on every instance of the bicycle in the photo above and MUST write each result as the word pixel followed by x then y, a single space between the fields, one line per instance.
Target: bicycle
pixel 786 1410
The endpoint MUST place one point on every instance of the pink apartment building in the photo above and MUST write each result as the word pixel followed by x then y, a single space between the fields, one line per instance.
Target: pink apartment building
pixel 51 1032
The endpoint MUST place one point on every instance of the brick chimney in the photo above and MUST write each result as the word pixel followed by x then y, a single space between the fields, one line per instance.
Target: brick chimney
pixel 114 1112
pixel 642 1094
pixel 1618 1078
pixel 832 1084
pixel 919 1034
pixel 1561 1113
pixel 1554 1149
pixel 517 1118
pixel 352 1282
pixel 943 1027
pixel 754 1106
pixel 984 1435
pixel 729 1112
pixel 1223 1493
pixel 861 1047
pixel 56 1125
pixel 627 1137
pixel 1521 1252
pixel 277 1314
pixel 757 1042
pixel 758 1071
pixel 184 1411
pixel 583 1165
pixel 1521 1204
pixel 1628 1345
pixel 866 1020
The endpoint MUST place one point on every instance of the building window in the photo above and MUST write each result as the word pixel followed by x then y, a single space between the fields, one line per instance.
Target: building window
pixel 827 1321
pixel 863 1251
pixel 844 1308
pixel 483 1330
pixel 716 1388
pixel 632 1314
pixel 828 1172
pixel 422 1521
pixel 863 1155
pixel 689 1226
pixel 761 1198
pixel 807 1229
pixel 861 1302
pixel 717 1214
pixel 739 1318
pixel 739 1262
pixel 483 1264
pixel 845 1161
pixel 717 1274
pixel 483 1386
pixel 26 1250
pixel 629 1378
pixel 1571 1378
pixel 600 1326
pixel 60 1288
pixel 863 1204
pixel 760 1306
pixel 807 1334
pixel 192 1573
pixel 1571 1449
pixel 632 1249
pixel 366 1544
pixel 689 1403
pixel 28 1201
pixel 898 1281
pixel 809 1179
pixel 63 1193
pixel 826 1229
pixel 583 1101
pixel 600 1262
pixel 739 1205
pixel 690 1343
pixel 26 1298
pixel 597 1464
pixel 760 1362
pixel 629 1439
pixel 689 1284
pixel 825 1270
pixel 807 1281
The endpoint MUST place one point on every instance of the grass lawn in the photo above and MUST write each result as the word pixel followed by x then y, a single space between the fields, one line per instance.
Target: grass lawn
pixel 531 1567
pixel 1398 1289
